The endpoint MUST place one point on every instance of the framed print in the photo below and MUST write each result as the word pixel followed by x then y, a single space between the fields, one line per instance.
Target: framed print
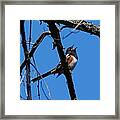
pixel 60 60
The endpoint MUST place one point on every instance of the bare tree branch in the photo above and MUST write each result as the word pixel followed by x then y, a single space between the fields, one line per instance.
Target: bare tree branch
pixel 38 41
pixel 27 59
pixel 57 42
pixel 83 26
pixel 30 33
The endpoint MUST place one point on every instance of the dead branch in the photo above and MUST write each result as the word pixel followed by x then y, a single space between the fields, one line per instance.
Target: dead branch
pixel 57 42
pixel 83 26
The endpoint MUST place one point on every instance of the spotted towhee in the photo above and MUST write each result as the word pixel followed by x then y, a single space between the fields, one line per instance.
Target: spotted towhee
pixel 71 57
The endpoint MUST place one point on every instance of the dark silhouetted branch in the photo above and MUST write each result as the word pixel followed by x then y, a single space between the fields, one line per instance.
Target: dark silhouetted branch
pixel 27 59
pixel 57 42
pixel 30 33
pixel 40 39
pixel 83 26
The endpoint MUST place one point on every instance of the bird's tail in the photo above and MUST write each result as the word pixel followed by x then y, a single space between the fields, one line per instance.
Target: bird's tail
pixel 53 71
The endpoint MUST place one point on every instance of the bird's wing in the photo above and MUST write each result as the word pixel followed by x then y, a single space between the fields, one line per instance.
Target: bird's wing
pixel 59 68
pixel 69 59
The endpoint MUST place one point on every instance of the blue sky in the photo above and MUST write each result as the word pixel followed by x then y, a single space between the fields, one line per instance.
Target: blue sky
pixel 86 75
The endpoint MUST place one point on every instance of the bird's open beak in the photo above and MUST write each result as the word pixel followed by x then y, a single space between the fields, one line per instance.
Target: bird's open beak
pixel 72 46
pixel 75 48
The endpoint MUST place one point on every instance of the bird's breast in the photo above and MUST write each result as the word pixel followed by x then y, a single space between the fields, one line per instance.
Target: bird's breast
pixel 73 63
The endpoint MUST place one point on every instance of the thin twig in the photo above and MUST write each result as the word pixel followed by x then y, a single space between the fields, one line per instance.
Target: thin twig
pixel 38 86
pixel 44 91
pixel 49 93
pixel 72 30
pixel 35 68
pixel 30 34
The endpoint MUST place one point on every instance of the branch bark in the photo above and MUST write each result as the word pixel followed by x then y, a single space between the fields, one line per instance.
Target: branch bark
pixel 27 59
pixel 57 42
pixel 83 26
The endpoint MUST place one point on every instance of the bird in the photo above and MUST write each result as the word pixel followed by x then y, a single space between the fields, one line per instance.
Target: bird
pixel 71 58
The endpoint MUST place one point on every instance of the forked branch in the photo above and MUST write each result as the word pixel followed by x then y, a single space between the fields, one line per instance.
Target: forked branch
pixel 34 47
